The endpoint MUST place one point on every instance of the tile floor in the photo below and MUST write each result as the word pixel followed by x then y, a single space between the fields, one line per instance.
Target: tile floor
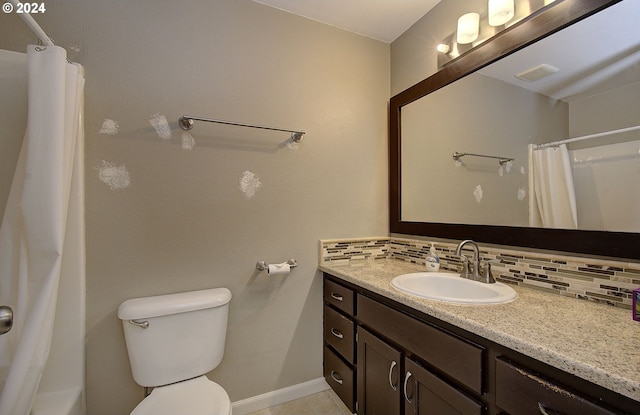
pixel 322 403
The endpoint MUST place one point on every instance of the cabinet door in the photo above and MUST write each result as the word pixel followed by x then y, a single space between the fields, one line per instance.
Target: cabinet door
pixel 426 394
pixel 379 371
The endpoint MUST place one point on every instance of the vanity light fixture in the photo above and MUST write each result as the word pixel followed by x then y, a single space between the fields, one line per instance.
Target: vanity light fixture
pixel 500 12
pixel 468 28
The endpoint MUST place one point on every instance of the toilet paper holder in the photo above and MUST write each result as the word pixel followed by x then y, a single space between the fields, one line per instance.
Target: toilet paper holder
pixel 262 265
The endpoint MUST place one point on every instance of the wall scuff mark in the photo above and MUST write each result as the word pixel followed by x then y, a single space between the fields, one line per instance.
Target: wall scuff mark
pixel 188 142
pixel 249 184
pixel 160 124
pixel 109 127
pixel 116 177
pixel 508 166
pixel 291 144
pixel 477 193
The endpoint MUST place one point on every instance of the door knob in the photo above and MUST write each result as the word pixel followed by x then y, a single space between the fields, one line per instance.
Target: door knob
pixel 6 319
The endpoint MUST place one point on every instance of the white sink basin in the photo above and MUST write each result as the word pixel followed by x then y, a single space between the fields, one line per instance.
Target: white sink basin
pixel 449 287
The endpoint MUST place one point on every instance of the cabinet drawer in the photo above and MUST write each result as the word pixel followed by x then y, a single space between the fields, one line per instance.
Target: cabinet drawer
pixel 340 377
pixel 339 296
pixel 339 332
pixel 521 392
pixel 434 346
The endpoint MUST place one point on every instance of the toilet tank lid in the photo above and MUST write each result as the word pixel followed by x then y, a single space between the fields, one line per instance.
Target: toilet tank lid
pixel 162 305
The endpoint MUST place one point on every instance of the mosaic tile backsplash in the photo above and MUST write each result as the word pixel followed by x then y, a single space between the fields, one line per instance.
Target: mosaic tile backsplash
pixel 604 281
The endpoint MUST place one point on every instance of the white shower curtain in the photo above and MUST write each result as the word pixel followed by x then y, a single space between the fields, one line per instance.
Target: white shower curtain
pixel 33 228
pixel 552 200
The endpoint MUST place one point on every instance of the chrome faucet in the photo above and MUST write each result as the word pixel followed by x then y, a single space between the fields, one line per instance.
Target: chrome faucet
pixel 474 272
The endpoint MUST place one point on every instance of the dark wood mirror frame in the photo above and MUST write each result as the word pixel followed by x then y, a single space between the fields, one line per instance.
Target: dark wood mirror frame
pixel 541 24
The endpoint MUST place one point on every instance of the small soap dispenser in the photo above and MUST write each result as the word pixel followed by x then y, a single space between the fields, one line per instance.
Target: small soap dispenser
pixel 433 260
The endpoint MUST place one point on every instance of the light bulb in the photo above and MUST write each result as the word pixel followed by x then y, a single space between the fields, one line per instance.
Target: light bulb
pixel 443 48
pixel 468 28
pixel 500 12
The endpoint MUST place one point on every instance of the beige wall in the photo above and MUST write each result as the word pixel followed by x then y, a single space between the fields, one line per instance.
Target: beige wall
pixel 183 223
pixel 13 117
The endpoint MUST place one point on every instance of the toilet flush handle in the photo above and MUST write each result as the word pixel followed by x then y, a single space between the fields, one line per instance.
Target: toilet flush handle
pixel 141 324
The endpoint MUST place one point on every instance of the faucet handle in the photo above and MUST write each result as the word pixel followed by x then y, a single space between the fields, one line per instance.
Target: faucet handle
pixel 487 275
pixel 466 266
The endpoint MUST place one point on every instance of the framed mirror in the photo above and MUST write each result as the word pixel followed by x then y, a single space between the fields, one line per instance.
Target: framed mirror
pixel 431 194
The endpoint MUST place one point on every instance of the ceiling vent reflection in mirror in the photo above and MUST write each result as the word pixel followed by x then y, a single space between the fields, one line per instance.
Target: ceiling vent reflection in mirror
pixel 537 72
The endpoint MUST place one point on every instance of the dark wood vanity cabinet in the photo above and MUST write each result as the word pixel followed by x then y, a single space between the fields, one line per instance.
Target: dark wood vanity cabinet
pixel 340 341
pixel 400 369
pixel 389 382
pixel 381 372
pixel 384 358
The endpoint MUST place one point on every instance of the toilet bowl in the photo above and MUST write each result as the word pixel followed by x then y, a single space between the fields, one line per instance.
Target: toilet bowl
pixel 199 396
pixel 173 341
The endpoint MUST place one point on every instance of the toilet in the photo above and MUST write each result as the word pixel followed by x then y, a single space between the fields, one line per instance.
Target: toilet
pixel 173 341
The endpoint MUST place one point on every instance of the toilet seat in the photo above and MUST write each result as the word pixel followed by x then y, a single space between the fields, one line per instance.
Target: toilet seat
pixel 198 396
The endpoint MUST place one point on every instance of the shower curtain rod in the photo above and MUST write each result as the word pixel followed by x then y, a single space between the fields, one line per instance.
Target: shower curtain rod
pixel 33 25
pixel 586 137
pixel 186 123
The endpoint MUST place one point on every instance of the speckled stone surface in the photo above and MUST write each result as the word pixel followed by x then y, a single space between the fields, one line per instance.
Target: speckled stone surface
pixel 595 342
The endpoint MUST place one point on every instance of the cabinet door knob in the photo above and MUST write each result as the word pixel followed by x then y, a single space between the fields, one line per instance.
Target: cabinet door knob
pixel 394 387
pixel 335 377
pixel 406 380
pixel 337 297
pixel 337 333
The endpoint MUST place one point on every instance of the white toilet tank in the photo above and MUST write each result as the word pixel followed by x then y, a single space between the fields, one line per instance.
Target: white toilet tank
pixel 175 337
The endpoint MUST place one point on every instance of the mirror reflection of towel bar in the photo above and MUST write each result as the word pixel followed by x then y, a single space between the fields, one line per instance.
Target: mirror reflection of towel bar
pixel 501 160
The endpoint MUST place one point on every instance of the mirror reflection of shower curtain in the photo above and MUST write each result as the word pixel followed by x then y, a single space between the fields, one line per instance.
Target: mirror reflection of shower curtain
pixel 33 228
pixel 552 200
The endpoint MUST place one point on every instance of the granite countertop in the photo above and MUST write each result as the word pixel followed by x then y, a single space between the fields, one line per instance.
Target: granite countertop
pixel 596 342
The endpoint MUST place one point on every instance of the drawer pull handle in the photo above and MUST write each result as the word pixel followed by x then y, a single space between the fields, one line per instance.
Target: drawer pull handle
pixel 393 364
pixel 546 411
pixel 336 378
pixel 337 297
pixel 406 380
pixel 337 333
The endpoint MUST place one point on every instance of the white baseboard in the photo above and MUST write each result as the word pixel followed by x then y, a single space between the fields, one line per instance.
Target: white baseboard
pixel 257 403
